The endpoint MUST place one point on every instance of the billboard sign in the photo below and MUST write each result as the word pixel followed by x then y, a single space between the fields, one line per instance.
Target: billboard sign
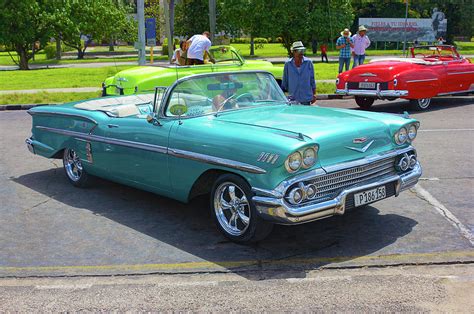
pixel 388 29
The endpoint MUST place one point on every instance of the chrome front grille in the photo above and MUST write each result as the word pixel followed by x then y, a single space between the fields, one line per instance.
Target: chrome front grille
pixel 330 185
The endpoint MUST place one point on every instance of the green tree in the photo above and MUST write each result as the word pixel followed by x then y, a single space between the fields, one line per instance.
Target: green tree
pixel 86 20
pixel 191 17
pixel 23 24
pixel 255 18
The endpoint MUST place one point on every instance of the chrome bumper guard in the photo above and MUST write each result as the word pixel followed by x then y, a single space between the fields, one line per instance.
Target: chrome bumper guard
pixel 29 144
pixel 275 209
pixel 372 93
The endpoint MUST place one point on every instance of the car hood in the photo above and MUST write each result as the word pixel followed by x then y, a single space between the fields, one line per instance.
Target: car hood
pixel 337 131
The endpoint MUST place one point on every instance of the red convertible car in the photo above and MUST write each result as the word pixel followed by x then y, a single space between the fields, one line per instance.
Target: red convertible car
pixel 431 71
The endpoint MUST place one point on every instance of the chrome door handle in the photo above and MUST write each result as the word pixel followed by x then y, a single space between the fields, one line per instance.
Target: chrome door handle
pixel 112 126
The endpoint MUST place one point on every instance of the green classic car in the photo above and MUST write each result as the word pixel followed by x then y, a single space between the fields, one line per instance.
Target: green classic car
pixel 234 136
pixel 146 78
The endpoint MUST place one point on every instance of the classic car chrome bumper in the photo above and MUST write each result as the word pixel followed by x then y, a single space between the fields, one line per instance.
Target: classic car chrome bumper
pixel 29 144
pixel 277 210
pixel 372 93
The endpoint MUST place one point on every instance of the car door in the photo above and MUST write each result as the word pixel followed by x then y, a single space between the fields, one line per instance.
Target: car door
pixel 138 152
pixel 460 75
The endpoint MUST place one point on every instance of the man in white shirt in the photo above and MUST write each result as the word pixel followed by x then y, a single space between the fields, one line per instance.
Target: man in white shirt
pixel 198 47
pixel 361 42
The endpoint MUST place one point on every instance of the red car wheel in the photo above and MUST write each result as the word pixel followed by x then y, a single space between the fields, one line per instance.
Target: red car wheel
pixel 364 102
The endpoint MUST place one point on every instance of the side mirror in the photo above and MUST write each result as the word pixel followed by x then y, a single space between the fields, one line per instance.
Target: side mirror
pixel 178 109
pixel 153 119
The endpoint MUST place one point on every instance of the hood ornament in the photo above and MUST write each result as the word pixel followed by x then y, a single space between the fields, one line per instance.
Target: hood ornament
pixel 359 140
pixel 363 149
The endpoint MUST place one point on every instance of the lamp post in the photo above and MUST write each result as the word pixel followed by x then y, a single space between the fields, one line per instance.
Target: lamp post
pixel 405 31
pixel 141 31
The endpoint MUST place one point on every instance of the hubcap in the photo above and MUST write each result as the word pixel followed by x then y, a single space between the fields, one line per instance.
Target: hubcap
pixel 424 102
pixel 73 165
pixel 232 208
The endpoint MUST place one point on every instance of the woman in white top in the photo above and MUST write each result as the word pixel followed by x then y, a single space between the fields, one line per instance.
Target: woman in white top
pixel 179 55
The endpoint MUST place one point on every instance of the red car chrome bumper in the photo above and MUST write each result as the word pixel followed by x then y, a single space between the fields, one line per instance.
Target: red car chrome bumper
pixel 388 93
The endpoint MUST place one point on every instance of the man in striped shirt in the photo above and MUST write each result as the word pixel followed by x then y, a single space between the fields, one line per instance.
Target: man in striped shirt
pixel 361 42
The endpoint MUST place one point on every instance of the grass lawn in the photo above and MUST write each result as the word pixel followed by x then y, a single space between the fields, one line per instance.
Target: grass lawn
pixel 325 88
pixel 323 71
pixel 57 78
pixel 45 98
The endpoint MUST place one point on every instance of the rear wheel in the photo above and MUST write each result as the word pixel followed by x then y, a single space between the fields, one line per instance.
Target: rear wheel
pixel 234 211
pixel 73 168
pixel 420 104
pixel 364 102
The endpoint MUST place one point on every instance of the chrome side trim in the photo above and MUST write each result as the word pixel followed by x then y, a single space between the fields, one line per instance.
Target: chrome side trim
pixel 159 149
pixel 459 92
pixel 465 72
pixel 106 140
pixel 49 113
pixel 424 80
pixel 216 161
pixel 372 93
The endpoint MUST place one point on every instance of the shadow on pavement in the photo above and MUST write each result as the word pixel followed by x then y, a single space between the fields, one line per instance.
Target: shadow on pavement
pixel 189 228
pixel 399 106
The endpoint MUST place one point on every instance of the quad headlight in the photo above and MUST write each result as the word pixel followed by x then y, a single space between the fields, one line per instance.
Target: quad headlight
pixel 309 157
pixel 412 131
pixel 293 162
pixel 406 134
pixel 401 136
pixel 304 158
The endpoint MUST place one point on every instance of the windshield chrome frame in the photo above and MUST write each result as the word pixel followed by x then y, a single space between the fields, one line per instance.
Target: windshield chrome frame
pixel 166 97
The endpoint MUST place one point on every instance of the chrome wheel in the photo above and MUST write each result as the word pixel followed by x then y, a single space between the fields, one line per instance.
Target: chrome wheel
pixel 420 104
pixel 424 103
pixel 232 209
pixel 72 165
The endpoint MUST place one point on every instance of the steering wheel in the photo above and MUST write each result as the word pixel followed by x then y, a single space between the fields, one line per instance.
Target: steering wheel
pixel 248 95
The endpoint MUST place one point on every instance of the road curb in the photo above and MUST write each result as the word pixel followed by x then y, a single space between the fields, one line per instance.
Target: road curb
pixel 29 106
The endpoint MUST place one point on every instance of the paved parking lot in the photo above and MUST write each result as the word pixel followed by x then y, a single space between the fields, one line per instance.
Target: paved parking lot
pixel 49 227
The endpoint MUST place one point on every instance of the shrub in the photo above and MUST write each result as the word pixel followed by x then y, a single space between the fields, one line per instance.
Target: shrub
pixel 260 40
pixel 240 40
pixel 50 51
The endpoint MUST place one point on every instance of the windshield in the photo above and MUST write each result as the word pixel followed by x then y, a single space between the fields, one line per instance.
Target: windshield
pixel 434 52
pixel 224 54
pixel 209 94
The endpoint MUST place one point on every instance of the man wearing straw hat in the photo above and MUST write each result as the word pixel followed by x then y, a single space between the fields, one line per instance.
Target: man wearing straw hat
pixel 361 42
pixel 298 76
pixel 344 44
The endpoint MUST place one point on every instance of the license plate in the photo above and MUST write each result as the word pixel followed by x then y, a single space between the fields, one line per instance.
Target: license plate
pixel 369 196
pixel 366 85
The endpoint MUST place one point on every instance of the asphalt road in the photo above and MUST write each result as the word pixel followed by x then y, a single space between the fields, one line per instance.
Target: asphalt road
pixel 50 228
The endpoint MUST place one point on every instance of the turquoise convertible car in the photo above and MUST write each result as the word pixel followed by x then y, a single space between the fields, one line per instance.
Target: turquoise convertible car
pixel 263 160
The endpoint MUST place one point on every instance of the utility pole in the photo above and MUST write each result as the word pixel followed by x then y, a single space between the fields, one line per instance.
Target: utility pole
pixel 212 18
pixel 141 32
pixel 405 32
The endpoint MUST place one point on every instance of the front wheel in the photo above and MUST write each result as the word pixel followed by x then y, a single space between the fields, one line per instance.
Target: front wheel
pixel 73 168
pixel 364 102
pixel 234 211
pixel 420 104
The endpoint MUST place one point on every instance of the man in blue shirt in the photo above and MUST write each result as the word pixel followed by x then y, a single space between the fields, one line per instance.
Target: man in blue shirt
pixel 344 43
pixel 298 76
